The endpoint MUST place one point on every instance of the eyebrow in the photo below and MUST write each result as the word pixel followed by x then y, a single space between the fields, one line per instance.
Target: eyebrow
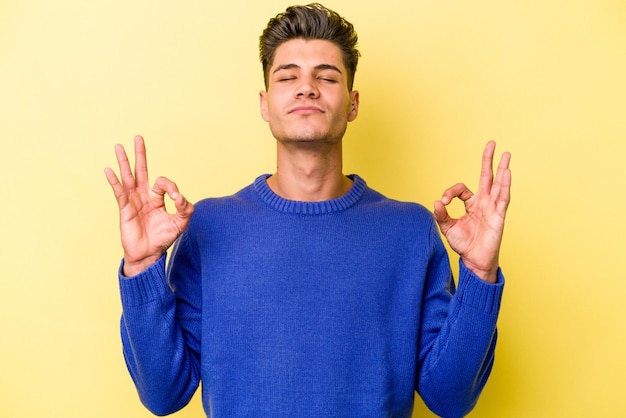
pixel 317 67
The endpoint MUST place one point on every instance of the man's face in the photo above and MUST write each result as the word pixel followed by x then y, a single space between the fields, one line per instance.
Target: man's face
pixel 307 99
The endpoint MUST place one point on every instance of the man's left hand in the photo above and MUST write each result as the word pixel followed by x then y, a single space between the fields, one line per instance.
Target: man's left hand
pixel 476 236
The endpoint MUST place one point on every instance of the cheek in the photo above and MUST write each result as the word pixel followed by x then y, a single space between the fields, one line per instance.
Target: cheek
pixel 270 110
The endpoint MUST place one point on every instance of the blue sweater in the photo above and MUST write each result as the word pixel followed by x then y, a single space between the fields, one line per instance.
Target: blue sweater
pixel 341 308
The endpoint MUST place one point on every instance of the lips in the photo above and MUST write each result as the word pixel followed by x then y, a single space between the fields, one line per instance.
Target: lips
pixel 306 110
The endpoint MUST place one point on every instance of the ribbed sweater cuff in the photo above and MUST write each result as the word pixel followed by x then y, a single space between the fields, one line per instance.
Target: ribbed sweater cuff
pixel 476 292
pixel 145 287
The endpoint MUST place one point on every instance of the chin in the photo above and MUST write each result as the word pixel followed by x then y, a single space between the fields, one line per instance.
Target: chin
pixel 310 136
pixel 309 140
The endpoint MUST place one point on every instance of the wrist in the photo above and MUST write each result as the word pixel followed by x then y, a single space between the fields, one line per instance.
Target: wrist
pixel 133 268
pixel 489 275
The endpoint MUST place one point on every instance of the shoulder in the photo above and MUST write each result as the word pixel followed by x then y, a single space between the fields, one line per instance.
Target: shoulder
pixel 231 207
pixel 409 227
pixel 377 202
pixel 213 203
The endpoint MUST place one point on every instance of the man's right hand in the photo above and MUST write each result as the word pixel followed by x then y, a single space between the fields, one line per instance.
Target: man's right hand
pixel 147 229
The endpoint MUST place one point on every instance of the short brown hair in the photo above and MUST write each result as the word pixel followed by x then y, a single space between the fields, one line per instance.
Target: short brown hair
pixel 312 21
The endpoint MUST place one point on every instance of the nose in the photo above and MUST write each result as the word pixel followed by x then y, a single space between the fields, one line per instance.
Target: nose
pixel 307 88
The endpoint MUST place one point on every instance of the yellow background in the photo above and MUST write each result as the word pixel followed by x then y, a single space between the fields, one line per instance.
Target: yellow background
pixel 545 79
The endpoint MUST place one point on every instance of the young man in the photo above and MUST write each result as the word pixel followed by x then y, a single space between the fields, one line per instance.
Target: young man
pixel 307 293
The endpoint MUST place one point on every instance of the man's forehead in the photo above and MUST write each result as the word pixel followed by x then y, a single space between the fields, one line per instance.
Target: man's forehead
pixel 300 53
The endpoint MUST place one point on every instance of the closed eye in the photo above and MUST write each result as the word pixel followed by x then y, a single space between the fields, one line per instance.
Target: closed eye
pixel 285 77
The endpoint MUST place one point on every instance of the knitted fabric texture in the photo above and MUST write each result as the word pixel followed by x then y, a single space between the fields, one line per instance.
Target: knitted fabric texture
pixel 341 308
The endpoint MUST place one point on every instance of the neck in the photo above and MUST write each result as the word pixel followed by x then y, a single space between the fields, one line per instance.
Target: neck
pixel 309 174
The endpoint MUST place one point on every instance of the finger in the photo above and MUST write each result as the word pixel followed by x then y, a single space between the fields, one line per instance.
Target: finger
pixel 184 208
pixel 504 195
pixel 486 170
pixel 442 216
pixel 459 190
pixel 503 166
pixel 112 178
pixel 163 186
pixel 141 164
pixel 118 189
pixel 126 176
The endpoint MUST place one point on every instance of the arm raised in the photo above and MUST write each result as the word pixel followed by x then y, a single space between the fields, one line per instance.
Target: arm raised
pixel 476 236
pixel 147 229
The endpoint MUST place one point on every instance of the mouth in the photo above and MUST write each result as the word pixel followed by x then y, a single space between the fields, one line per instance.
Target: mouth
pixel 306 110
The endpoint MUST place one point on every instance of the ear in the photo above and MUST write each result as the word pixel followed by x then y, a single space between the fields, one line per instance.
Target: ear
pixel 354 105
pixel 263 105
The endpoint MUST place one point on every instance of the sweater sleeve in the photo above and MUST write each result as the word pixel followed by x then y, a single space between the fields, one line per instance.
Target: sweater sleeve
pixel 457 353
pixel 159 330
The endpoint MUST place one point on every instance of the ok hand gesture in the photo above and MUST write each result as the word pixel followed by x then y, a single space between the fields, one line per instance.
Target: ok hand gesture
pixel 477 235
pixel 147 229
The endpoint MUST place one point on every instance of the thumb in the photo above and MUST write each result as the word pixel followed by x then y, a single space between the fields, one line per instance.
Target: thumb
pixel 184 208
pixel 442 216
pixel 163 185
